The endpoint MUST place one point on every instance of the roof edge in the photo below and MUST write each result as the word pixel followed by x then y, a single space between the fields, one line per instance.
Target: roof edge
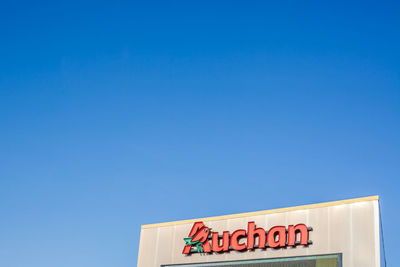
pixel 264 212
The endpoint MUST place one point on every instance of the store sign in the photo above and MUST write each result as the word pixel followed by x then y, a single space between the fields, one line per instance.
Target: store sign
pixel 202 239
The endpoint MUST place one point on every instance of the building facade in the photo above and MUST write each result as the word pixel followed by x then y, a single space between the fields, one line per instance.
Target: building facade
pixel 333 234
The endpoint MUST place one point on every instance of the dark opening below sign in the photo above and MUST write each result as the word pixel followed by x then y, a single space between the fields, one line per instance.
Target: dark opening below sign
pixel 306 261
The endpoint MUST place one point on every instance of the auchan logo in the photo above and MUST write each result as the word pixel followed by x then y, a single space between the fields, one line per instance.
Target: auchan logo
pixel 202 239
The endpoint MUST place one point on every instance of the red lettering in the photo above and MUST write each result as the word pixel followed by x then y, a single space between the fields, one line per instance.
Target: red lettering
pixel 207 247
pixel 201 239
pixel 186 249
pixel 277 231
pixel 251 232
pixel 215 242
pixel 292 230
pixel 195 228
pixel 235 239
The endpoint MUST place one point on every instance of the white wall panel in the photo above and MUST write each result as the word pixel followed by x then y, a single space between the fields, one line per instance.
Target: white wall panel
pixel 347 227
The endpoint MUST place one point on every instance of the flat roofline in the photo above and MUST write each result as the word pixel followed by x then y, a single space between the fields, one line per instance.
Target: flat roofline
pixel 263 212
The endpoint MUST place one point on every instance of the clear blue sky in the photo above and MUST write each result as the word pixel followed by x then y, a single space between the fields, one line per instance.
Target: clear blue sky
pixel 116 114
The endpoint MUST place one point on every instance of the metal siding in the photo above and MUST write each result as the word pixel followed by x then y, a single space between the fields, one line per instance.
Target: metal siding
pixel 351 229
